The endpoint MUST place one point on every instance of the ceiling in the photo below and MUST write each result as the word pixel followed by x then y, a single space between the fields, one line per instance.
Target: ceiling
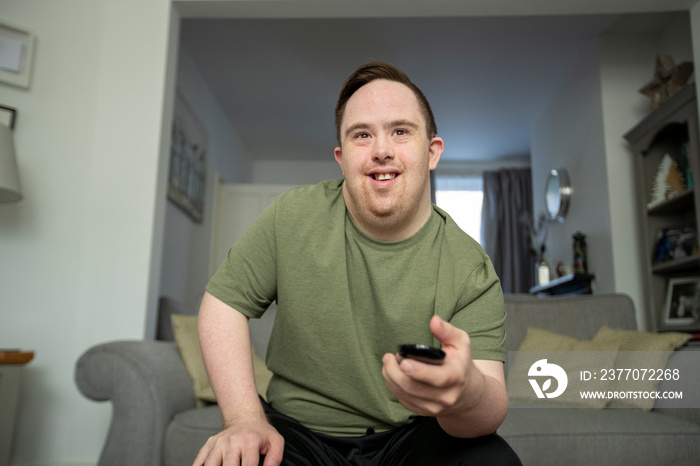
pixel 487 78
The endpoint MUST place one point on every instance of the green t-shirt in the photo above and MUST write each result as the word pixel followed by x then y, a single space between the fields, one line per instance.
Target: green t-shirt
pixel 345 299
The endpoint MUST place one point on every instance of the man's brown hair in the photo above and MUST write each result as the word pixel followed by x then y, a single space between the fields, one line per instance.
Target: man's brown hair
pixel 372 71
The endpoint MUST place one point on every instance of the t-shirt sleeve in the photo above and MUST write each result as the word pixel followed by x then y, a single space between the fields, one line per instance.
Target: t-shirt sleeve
pixel 247 279
pixel 480 311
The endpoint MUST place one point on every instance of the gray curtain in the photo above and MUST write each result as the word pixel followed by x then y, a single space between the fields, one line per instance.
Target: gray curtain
pixel 507 202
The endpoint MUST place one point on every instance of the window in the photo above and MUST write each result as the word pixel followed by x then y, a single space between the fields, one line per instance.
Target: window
pixel 461 196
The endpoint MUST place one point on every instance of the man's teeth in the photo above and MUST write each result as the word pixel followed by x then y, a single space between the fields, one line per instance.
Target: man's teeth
pixel 384 176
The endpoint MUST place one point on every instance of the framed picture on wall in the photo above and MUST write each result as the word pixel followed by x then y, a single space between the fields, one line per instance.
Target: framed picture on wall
pixel 682 310
pixel 16 54
pixel 188 161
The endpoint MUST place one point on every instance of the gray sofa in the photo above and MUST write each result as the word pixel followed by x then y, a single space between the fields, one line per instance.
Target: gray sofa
pixel 155 420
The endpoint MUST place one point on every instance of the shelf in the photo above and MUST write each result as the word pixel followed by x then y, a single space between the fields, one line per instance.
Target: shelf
pixel 16 357
pixel 677 265
pixel 670 129
pixel 573 283
pixel 684 202
pixel 665 113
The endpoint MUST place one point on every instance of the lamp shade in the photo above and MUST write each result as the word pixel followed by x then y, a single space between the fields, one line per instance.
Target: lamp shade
pixel 9 176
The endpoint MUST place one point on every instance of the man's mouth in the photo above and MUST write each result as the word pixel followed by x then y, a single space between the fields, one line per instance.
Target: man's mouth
pixel 384 176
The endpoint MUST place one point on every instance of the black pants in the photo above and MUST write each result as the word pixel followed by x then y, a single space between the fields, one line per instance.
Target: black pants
pixel 422 442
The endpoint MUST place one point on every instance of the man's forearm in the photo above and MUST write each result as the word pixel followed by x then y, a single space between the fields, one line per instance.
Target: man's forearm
pixel 226 348
pixel 483 413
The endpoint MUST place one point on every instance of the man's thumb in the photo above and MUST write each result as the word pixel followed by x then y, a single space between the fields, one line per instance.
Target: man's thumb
pixel 442 330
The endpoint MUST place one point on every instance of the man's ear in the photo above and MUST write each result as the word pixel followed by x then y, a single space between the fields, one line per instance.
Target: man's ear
pixel 437 146
pixel 338 152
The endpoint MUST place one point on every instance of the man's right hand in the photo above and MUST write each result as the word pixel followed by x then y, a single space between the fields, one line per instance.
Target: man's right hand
pixel 242 443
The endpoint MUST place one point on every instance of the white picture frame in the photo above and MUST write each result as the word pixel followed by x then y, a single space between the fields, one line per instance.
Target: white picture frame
pixel 16 54
pixel 682 310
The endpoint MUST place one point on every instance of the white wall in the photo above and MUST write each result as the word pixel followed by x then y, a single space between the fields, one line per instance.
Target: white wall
pixel 570 135
pixel 76 252
pixel 627 63
pixel 186 244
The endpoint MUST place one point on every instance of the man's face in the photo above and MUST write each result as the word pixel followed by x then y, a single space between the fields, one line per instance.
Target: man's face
pixel 386 158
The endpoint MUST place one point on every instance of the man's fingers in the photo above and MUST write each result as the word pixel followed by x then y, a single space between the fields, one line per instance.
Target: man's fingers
pixel 403 382
pixel 414 376
pixel 242 447
pixel 208 454
pixel 275 452
pixel 235 460
pixel 214 457
pixel 418 397
pixel 201 456
pixel 250 453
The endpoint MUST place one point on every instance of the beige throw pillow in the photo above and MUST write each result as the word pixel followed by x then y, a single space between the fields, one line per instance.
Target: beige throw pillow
pixel 572 355
pixel 187 340
pixel 644 351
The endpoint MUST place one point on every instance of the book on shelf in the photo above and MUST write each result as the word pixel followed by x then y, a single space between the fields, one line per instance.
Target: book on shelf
pixel 675 242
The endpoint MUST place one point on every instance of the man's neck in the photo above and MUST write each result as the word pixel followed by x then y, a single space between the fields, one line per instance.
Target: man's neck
pixel 390 229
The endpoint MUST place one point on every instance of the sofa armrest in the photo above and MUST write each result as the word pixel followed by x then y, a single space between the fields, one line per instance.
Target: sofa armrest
pixel 147 383
pixel 685 360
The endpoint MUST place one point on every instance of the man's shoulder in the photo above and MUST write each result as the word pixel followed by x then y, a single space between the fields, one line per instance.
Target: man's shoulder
pixel 461 254
pixel 316 194
pixel 455 238
pixel 313 207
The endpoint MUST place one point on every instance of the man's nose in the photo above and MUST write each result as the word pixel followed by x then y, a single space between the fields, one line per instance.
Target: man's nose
pixel 383 149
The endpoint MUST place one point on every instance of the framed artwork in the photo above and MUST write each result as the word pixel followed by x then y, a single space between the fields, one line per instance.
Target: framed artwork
pixel 16 54
pixel 682 310
pixel 188 161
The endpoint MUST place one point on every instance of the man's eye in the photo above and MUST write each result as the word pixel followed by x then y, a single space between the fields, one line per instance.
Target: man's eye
pixel 361 136
pixel 400 132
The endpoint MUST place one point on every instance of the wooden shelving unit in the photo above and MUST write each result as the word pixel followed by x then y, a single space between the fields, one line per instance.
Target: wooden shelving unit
pixel 670 129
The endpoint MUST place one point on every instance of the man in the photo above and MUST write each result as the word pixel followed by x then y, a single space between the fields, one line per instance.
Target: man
pixel 358 266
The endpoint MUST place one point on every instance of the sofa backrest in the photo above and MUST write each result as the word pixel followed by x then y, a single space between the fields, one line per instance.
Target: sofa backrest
pixel 579 316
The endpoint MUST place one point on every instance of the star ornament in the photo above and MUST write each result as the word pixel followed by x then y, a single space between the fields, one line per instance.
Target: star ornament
pixel 668 79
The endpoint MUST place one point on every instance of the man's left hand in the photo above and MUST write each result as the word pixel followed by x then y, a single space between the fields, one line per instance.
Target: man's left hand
pixel 430 390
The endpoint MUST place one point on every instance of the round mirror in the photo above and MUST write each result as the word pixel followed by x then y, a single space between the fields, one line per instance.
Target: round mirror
pixel 557 193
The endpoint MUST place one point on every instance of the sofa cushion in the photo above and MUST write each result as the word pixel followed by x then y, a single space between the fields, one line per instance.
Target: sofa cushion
pixel 188 432
pixel 572 355
pixel 542 436
pixel 555 436
pixel 640 350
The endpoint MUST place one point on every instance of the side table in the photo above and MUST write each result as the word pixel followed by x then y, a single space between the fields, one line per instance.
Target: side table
pixel 11 363
pixel 568 284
